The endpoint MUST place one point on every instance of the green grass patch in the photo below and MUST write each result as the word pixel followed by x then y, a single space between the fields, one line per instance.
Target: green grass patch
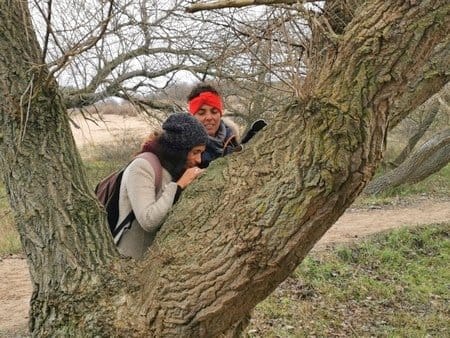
pixel 393 285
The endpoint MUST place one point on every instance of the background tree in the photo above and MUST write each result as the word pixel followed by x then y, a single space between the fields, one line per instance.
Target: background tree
pixel 212 262
pixel 139 49
pixel 128 50
pixel 414 164
pixel 427 159
pixel 273 45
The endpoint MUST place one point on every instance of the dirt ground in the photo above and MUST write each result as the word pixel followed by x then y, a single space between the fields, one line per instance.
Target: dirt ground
pixel 15 285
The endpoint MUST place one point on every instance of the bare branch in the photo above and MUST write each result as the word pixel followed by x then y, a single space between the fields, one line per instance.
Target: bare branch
pixel 207 6
pixel 110 66
pixel 47 35
pixel 83 47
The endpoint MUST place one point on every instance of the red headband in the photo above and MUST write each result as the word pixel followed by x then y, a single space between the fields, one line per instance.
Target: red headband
pixel 208 98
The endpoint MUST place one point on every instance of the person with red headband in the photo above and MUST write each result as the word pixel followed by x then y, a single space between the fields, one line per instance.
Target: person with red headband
pixel 206 105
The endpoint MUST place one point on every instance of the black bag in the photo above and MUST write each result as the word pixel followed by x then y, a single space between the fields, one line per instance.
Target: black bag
pixel 108 191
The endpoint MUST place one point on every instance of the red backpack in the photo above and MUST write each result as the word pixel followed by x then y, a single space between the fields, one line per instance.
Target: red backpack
pixel 108 190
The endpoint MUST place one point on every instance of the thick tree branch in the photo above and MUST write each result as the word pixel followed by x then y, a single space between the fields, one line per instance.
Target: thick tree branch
pixel 430 109
pixel 428 159
pixel 420 82
pixel 207 6
pixel 287 208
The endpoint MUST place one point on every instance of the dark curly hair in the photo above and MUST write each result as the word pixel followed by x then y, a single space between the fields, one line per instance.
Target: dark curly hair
pixel 201 88
pixel 173 161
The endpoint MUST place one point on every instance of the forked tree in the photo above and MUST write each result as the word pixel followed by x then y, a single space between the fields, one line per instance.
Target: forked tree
pixel 249 221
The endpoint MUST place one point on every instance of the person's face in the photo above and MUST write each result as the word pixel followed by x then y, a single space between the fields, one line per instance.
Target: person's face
pixel 194 157
pixel 210 118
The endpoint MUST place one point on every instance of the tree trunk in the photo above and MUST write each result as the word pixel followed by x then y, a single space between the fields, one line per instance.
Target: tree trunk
pixel 245 225
pixel 431 113
pixel 61 227
pixel 430 109
pixel 431 157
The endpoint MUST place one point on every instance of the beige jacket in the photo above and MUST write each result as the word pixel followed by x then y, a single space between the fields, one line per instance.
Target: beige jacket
pixel 137 193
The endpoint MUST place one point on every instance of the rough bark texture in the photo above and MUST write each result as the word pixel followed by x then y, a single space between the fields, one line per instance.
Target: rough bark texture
pixel 429 158
pixel 61 227
pixel 246 225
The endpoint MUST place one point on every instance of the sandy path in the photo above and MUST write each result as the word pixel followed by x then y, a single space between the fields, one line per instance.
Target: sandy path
pixel 15 292
pixel 354 224
pixel 15 286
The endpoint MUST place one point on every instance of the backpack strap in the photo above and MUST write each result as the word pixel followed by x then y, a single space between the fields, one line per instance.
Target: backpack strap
pixel 156 165
pixel 157 168
pixel 117 231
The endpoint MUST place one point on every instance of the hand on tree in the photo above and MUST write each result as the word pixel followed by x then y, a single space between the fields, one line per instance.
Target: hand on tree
pixel 189 175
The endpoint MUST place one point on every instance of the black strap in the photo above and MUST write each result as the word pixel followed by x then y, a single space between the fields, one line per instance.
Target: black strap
pixel 130 218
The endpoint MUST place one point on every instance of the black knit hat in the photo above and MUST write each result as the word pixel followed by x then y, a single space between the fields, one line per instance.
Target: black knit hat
pixel 183 132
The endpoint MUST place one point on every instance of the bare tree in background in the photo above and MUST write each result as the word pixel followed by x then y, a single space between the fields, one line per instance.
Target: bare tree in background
pixel 415 163
pixel 140 48
pixel 430 157
pixel 251 219
pixel 273 44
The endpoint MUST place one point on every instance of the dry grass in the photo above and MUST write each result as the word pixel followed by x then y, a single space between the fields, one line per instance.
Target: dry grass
pixel 110 108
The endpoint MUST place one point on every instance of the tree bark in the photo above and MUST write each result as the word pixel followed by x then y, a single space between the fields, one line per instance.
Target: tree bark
pixel 234 4
pixel 428 159
pixel 245 226
pixel 61 227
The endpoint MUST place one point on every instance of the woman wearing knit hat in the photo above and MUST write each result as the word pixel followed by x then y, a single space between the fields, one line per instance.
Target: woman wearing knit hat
pixel 206 105
pixel 178 149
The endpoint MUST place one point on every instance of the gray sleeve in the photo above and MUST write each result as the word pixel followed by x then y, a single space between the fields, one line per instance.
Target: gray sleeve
pixel 150 210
